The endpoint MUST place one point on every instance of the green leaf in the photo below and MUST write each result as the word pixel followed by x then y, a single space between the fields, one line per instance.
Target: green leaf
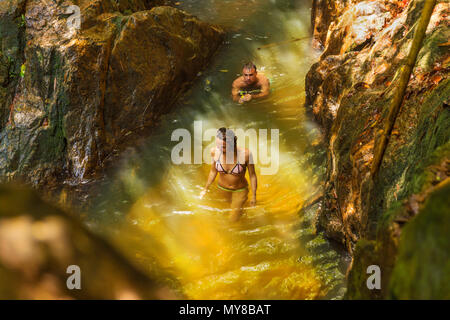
pixel 22 70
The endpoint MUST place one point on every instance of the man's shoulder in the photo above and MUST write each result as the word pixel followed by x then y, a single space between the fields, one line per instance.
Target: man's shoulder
pixel 237 82
pixel 262 78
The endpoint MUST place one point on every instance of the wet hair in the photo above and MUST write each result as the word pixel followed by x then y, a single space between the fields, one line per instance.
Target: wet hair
pixel 249 66
pixel 227 135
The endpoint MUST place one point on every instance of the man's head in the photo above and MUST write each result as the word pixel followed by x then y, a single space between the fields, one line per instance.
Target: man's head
pixel 249 73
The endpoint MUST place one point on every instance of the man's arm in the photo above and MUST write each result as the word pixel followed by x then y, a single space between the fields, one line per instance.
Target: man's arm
pixel 265 89
pixel 235 91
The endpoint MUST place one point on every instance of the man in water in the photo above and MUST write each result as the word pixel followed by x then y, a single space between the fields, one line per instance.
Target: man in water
pixel 251 85
pixel 231 162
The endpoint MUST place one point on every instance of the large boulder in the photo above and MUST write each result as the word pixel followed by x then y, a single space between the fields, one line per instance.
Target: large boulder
pixel 73 97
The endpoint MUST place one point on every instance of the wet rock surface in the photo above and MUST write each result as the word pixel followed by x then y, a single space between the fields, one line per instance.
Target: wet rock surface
pixel 72 99
pixel 349 91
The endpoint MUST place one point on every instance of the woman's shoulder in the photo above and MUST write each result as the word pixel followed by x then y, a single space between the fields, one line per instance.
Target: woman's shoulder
pixel 215 153
pixel 244 154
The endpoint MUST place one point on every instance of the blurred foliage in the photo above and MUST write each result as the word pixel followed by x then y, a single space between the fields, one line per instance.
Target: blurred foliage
pixel 39 241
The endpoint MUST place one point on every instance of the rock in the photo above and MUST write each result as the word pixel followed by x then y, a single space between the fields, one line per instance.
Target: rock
pixel 424 239
pixel 38 243
pixel 323 13
pixel 83 91
pixel 349 90
pixel 357 25
pixel 413 262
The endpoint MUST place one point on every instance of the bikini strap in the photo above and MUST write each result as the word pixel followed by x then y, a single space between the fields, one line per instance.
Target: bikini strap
pixel 239 155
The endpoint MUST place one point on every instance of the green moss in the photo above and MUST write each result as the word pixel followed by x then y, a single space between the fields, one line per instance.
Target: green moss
pixel 423 263
pixel 21 22
pixel 120 21
pixel 431 51
pixel 424 176
pixel 364 255
pixel 12 43
pixel 388 216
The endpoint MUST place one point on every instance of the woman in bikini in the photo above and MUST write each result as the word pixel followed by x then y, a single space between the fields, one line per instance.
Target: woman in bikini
pixel 231 163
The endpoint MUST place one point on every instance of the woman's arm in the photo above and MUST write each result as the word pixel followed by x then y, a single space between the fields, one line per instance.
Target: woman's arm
pixel 211 177
pixel 253 179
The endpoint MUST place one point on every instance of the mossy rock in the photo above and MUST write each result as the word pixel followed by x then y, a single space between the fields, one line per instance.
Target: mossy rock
pixel 423 261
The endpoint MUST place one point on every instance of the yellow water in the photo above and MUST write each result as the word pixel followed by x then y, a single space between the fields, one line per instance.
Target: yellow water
pixel 151 208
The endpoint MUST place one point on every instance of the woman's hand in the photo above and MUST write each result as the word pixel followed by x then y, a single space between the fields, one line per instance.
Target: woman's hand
pixel 253 202
pixel 202 194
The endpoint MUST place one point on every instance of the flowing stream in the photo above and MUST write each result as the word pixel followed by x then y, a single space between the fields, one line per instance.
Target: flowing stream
pixel 150 207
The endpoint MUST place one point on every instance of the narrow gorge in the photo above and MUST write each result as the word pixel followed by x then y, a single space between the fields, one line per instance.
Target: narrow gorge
pixel 88 116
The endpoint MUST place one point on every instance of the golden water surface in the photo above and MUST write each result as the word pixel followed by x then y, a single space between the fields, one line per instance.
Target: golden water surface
pixel 151 207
